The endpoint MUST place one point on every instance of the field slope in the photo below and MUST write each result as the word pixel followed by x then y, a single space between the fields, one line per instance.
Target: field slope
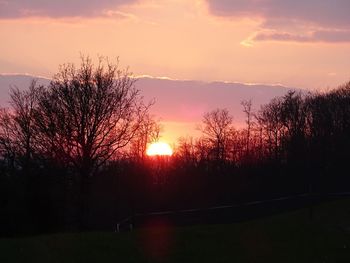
pixel 288 237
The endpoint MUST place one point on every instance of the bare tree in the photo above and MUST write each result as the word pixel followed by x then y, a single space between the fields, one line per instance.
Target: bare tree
pixel 8 150
pixel 187 151
pixel 247 109
pixel 89 113
pixel 269 118
pixel 217 126
pixel 18 135
pixel 148 132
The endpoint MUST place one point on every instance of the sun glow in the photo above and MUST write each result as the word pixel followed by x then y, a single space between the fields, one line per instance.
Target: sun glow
pixel 159 148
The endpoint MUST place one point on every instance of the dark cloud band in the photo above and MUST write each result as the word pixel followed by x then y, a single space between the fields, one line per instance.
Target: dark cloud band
pixel 317 36
pixel 292 20
pixel 322 12
pixel 62 8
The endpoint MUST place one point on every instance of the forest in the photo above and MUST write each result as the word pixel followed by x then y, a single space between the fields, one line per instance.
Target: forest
pixel 72 154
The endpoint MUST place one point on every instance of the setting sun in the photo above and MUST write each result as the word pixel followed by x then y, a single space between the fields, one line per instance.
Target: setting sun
pixel 159 148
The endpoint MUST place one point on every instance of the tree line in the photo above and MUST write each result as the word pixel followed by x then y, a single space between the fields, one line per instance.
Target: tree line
pixel 72 154
pixel 298 128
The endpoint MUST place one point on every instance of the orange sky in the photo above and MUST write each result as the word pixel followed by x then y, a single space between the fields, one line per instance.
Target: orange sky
pixel 180 39
pixel 238 41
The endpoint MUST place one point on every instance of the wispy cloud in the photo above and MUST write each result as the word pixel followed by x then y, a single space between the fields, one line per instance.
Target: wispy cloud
pixel 330 36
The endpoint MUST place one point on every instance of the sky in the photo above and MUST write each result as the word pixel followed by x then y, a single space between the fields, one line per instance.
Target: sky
pixel 294 43
pixel 299 43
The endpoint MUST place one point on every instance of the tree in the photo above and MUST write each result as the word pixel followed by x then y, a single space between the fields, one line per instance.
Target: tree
pixel 148 132
pixel 18 136
pixel 293 118
pixel 24 104
pixel 7 148
pixel 269 118
pixel 87 114
pixel 187 152
pixel 85 117
pixel 217 126
pixel 247 109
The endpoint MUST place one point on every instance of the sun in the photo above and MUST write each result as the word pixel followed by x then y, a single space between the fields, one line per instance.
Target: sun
pixel 159 148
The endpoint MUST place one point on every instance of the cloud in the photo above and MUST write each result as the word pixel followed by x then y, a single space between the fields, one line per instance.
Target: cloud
pixel 329 36
pixel 332 35
pixel 321 12
pixel 291 20
pixel 260 36
pixel 10 9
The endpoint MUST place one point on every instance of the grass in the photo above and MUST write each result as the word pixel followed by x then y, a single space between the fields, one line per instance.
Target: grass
pixel 288 237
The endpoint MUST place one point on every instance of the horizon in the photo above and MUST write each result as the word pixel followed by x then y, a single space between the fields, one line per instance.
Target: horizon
pixel 179 120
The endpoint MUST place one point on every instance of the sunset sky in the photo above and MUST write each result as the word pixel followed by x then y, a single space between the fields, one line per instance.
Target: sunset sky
pixel 293 42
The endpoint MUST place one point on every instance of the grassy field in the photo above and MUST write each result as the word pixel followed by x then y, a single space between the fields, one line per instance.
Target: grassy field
pixel 288 237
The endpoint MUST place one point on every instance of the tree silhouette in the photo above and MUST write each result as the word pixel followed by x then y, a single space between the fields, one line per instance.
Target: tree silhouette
pixel 88 114
pixel 148 132
pixel 217 127
pixel 18 135
pixel 8 149
pixel 247 109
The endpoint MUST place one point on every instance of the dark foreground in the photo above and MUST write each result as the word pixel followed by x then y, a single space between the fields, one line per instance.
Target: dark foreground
pixel 287 237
